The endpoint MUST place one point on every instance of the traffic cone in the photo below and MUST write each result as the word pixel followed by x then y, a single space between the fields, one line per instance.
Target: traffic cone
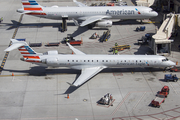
pixel 72 52
pixel 12 74
pixel 177 63
pixel 67 96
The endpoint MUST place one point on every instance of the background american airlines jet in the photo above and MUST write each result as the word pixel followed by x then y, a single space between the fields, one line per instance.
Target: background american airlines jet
pixel 89 65
pixel 93 16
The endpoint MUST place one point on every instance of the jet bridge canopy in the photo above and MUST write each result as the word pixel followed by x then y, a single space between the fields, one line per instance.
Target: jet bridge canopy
pixel 161 43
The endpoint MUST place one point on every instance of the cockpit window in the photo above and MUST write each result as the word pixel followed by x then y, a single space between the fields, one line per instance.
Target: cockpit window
pixel 164 60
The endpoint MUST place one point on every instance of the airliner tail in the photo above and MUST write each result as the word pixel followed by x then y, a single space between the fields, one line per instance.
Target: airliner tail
pixel 31 5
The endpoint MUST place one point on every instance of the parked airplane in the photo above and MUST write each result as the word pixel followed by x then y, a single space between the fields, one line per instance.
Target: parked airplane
pixel 91 16
pixel 89 65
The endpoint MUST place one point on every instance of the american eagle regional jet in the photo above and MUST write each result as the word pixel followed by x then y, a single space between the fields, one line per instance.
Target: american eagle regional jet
pixel 91 16
pixel 89 65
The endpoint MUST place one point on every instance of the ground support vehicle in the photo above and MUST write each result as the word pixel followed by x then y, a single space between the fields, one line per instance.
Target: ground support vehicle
pixel 158 101
pixel 141 28
pixel 170 77
pixel 35 44
pixel 120 47
pixel 164 91
pixel 144 39
pixel 110 4
pixel 106 99
pixel 94 36
pixel 175 69
pixel 106 35
pixel 53 44
pixel 68 39
pixel 78 42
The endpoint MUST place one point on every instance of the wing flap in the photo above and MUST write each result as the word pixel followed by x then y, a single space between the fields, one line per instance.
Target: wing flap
pixel 92 19
pixel 86 74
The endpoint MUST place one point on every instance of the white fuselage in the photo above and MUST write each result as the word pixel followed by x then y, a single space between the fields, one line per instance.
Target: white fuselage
pixel 85 61
pixel 80 13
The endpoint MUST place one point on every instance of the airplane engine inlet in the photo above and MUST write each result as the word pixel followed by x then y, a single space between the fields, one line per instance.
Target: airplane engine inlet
pixel 104 23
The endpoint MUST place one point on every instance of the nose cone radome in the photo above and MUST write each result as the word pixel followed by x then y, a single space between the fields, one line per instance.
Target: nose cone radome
pixel 154 14
pixel 172 63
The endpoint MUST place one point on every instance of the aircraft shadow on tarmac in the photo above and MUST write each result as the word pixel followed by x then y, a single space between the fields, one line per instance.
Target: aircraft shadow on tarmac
pixel 43 71
pixel 79 30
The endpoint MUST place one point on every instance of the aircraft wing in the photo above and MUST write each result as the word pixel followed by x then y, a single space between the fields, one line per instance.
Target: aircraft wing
pixel 79 4
pixel 76 51
pixel 86 74
pixel 92 19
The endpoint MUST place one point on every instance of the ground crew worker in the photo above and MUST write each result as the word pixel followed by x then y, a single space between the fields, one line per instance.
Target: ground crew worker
pixel 113 51
pixel 66 40
pixel 1 19
pixel 116 51
pixel 116 44
pixel 111 99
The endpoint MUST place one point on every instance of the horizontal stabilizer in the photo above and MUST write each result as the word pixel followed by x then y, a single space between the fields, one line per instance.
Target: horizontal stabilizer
pixel 15 44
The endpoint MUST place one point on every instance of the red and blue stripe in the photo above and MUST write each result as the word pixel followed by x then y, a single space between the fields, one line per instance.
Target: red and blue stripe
pixel 31 5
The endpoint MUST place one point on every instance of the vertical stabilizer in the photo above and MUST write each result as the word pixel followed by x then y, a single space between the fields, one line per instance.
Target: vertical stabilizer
pixel 29 55
pixel 31 5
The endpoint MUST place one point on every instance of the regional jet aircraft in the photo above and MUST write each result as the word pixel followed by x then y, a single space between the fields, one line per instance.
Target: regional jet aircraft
pixel 89 65
pixel 91 16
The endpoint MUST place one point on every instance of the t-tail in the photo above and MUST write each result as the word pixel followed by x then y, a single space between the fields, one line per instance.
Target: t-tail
pixel 29 55
pixel 31 7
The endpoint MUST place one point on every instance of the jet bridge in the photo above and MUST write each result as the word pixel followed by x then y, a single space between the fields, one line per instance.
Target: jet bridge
pixel 160 43
pixel 146 3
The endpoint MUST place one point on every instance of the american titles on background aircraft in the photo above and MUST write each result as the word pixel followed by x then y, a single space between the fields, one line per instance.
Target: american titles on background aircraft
pixel 89 65
pixel 91 16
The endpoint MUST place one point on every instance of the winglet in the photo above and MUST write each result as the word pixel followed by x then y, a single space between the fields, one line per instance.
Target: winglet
pixel 71 84
pixel 79 4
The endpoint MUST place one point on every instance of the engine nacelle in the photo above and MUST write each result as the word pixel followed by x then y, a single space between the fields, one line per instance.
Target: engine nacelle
pixel 51 52
pixel 55 6
pixel 50 62
pixel 104 23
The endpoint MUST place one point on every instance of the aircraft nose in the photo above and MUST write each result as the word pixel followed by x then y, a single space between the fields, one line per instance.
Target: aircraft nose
pixel 155 14
pixel 172 63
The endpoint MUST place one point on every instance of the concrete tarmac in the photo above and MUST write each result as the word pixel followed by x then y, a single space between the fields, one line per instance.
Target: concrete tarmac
pixel 38 93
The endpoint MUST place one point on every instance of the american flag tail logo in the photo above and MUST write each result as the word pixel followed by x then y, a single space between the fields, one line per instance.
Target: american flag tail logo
pixel 29 55
pixel 31 5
